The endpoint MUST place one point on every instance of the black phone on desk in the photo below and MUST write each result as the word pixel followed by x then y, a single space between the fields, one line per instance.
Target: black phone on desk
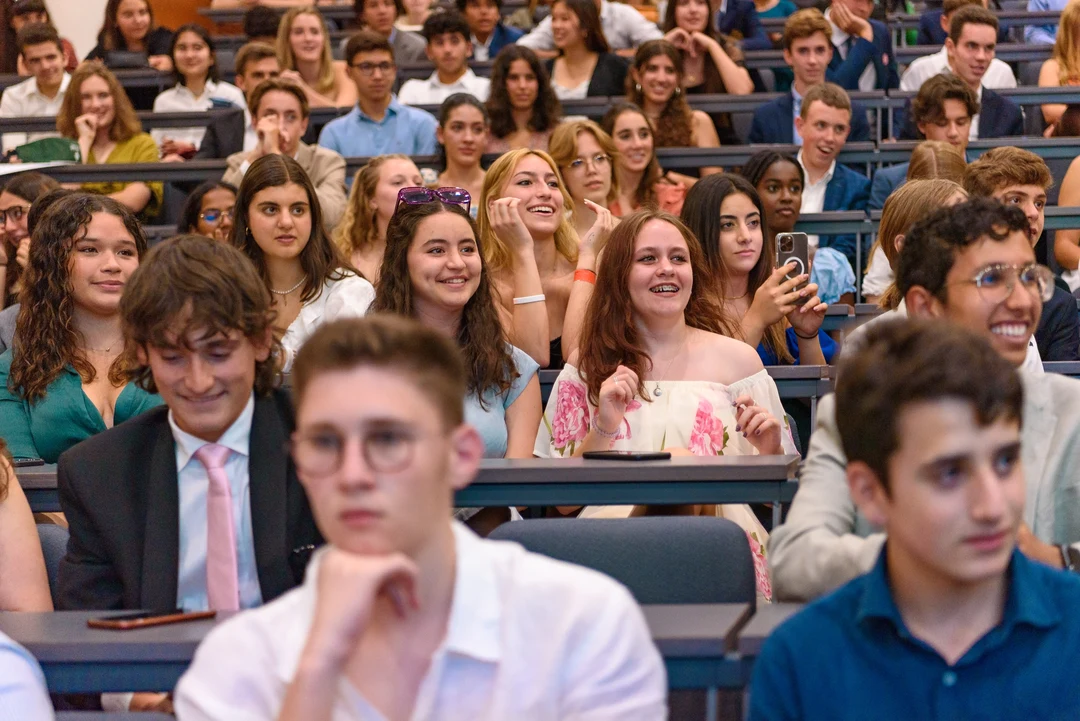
pixel 25 462
pixel 626 455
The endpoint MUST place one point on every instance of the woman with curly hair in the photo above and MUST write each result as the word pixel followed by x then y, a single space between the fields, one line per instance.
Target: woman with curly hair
pixel 361 235
pixel 656 370
pixel 655 85
pixel 96 112
pixel 522 106
pixel 303 48
pixel 63 380
pixel 433 271
pixel 278 224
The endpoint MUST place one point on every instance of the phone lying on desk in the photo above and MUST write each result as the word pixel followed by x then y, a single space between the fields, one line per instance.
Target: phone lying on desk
pixel 626 455
pixel 146 619
pixel 27 462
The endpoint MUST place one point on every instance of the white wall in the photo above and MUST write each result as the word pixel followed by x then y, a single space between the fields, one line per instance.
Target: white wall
pixel 78 21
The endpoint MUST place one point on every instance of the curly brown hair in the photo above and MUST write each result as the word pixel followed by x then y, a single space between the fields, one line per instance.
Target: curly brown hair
pixel 675 128
pixel 46 340
pixel 192 283
pixel 609 335
pixel 480 335
pixel 125 125
pixel 546 110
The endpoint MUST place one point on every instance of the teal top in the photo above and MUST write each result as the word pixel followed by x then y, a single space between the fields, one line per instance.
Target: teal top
pixel 62 418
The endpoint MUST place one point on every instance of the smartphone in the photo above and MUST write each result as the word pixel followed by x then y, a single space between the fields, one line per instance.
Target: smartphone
pixel 794 248
pixel 27 462
pixel 146 619
pixel 627 455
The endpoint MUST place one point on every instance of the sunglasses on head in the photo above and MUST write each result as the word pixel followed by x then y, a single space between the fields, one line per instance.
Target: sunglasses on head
pixel 420 196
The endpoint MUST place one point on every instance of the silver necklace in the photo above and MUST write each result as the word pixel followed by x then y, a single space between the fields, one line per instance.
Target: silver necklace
pixel 290 290
pixel 656 390
pixel 105 350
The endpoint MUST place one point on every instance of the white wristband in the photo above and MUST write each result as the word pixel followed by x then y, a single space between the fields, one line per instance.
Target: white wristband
pixel 529 299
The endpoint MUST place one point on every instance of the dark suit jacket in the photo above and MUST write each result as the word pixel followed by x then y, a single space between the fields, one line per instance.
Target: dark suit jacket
pixel 886 181
pixel 930 32
pixel 608 78
pixel 504 35
pixel 847 190
pixel 999 117
pixel 740 21
pixel 224 136
pixel 1058 334
pixel 846 72
pixel 772 122
pixel 120 493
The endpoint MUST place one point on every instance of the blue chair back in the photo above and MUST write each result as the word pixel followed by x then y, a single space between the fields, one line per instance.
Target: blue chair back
pixel 54 540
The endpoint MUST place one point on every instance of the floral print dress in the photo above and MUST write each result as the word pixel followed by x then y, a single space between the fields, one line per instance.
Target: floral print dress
pixel 696 415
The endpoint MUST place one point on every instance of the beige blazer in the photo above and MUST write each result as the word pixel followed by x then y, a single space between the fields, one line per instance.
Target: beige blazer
pixel 326 170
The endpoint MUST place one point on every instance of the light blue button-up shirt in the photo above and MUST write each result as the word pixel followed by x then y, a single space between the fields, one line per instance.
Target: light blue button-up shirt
pixel 796 110
pixel 402 130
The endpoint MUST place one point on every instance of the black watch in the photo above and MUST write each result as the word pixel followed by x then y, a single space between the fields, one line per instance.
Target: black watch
pixel 1071 558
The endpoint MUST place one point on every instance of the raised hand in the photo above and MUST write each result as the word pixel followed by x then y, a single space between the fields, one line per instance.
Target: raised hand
pixel 758 426
pixel 807 318
pixel 777 297
pixel 597 236
pixel 615 395
pixel 508 225
pixel 86 126
pixel 680 39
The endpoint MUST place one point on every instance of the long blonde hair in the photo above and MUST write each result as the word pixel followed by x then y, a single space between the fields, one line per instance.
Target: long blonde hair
pixel 1067 45
pixel 357 229
pixel 563 147
pixel 325 83
pixel 496 254
pixel 913 200
pixel 934 159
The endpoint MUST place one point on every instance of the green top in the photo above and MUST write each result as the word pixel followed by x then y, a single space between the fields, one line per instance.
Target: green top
pixel 62 418
pixel 137 149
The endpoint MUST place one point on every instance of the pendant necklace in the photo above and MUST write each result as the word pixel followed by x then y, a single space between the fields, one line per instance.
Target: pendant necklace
pixel 656 390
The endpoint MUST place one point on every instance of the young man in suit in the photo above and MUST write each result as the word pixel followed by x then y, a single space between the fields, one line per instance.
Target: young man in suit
pixel 823 126
pixel 998 74
pixel 808 52
pixel 942 110
pixel 407 613
pixel 952 620
pixel 738 19
pixel 193 505
pixel 973 265
pixel 234 133
pixel 1020 178
pixel 970 48
pixel 488 33
pixel 855 34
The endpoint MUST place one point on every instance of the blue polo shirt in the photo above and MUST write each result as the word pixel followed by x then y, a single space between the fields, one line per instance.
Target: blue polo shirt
pixel 402 130
pixel 850 656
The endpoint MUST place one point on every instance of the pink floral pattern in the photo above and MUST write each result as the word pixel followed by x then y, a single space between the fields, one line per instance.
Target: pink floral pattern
pixel 571 422
pixel 633 405
pixel 761 568
pixel 708 437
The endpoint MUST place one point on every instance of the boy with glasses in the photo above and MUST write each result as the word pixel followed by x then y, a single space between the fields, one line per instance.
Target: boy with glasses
pixel 406 613
pixel 379 124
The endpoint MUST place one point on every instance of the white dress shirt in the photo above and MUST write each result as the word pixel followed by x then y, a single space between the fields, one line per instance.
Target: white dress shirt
pixel 194 484
pixel 180 99
pixel 529 638
pixel 998 75
pixel 879 275
pixel 345 298
pixel 24 101
pixel 973 129
pixel 868 79
pixel 481 51
pixel 624 28
pixel 813 194
pixel 23 694
pixel 432 92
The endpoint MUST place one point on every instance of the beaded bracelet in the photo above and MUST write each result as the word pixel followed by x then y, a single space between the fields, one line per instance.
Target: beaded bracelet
pixel 601 432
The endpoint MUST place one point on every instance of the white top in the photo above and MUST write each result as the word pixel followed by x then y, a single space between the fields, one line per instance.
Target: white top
pixel 22 691
pixel 345 298
pixel 24 101
pixel 998 75
pixel 1072 277
pixel 194 484
pixel 481 52
pixel 813 194
pixel 624 27
pixel 180 99
pixel 868 79
pixel 577 93
pixel 879 274
pixel 433 92
pixel 528 638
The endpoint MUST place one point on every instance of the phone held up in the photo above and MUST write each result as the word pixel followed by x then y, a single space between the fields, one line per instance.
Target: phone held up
pixel 794 248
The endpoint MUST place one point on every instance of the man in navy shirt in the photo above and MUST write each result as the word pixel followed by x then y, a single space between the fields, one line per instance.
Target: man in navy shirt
pixel 952 622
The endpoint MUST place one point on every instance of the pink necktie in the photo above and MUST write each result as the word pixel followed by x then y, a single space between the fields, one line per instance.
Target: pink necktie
pixel 222 587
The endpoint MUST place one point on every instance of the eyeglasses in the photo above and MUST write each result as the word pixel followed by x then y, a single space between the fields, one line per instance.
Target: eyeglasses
pixel 214 215
pixel 598 161
pixel 996 282
pixel 15 212
pixel 320 453
pixel 420 196
pixel 368 69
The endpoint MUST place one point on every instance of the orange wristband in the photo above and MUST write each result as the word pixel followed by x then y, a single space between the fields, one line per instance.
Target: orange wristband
pixel 588 276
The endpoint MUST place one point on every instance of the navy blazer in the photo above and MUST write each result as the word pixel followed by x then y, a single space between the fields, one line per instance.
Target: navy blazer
pixel 846 72
pixel 999 117
pixel 740 21
pixel 1058 334
pixel 848 190
pixel 502 36
pixel 772 122
pixel 930 32
pixel 886 181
